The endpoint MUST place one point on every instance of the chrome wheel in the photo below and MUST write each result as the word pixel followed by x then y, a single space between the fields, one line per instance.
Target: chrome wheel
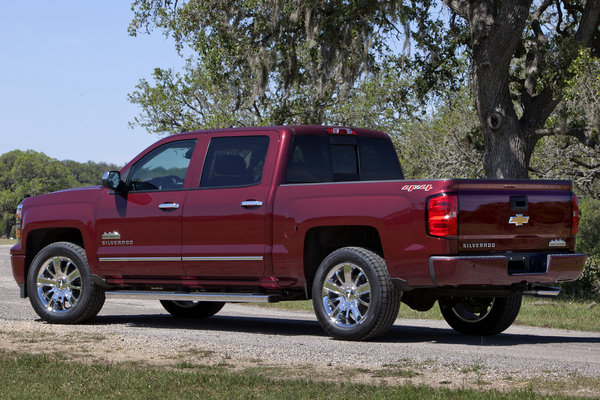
pixel 473 311
pixel 346 295
pixel 480 315
pixel 59 284
pixel 353 295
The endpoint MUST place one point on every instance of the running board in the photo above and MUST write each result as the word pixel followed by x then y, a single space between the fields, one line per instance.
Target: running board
pixel 193 296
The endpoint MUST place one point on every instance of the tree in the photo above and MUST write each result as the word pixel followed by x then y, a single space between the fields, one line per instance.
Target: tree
pixel 290 61
pixel 261 62
pixel 28 173
pixel 448 143
pixel 89 173
pixel 577 158
pixel 530 46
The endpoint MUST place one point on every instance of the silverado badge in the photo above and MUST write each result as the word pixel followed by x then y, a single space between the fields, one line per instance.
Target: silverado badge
pixel 518 220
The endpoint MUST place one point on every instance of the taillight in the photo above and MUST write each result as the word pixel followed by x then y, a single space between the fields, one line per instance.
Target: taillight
pixel 442 215
pixel 575 217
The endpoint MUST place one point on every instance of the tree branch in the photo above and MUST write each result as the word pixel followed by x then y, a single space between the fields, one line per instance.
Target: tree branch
pixel 576 133
pixel 588 22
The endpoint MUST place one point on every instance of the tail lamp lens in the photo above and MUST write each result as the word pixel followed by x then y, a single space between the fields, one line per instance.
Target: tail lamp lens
pixel 575 220
pixel 442 215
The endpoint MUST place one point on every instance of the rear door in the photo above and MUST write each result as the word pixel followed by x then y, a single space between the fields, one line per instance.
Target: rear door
pixel 224 231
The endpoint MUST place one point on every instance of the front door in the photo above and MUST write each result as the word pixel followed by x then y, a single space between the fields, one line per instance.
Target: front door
pixel 139 233
pixel 224 220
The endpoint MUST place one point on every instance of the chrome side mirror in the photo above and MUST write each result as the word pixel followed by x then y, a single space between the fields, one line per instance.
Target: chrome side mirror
pixel 112 180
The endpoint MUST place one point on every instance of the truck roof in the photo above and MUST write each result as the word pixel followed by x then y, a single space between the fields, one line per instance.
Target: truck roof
pixel 321 130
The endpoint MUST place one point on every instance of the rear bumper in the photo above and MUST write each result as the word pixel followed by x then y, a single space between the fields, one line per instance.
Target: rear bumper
pixel 493 270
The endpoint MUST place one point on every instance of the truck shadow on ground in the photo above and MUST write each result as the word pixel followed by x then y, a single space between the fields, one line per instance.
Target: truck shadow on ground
pixel 296 327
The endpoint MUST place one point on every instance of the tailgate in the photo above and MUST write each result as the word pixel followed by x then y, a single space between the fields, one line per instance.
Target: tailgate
pixel 517 216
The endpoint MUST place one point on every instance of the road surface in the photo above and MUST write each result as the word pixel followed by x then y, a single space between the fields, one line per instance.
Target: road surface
pixel 421 351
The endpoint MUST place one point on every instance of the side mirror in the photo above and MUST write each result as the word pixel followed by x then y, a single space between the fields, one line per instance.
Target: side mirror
pixel 112 180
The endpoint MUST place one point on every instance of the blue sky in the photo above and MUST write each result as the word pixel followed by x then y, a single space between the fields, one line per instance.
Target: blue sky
pixel 65 71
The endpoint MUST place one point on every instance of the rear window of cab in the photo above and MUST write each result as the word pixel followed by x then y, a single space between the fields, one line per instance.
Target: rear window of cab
pixel 316 159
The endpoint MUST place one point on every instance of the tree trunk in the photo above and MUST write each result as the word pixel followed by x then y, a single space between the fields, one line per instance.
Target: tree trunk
pixel 495 35
pixel 506 154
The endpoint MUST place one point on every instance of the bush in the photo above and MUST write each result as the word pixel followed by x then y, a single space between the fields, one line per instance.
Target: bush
pixel 588 242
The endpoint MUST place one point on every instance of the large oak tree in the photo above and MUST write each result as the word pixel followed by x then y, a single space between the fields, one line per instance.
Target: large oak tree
pixel 293 61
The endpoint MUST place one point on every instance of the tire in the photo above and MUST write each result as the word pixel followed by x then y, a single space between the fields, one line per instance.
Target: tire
pixel 60 287
pixel 192 309
pixel 353 296
pixel 481 316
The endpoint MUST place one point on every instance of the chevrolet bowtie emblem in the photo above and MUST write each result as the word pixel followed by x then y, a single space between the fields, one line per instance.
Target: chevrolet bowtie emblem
pixel 518 220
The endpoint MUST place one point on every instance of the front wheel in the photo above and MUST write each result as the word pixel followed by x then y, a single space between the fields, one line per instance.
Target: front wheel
pixel 353 295
pixel 481 316
pixel 60 286
pixel 192 309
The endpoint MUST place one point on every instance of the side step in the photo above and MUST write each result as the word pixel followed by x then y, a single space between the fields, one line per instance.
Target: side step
pixel 192 296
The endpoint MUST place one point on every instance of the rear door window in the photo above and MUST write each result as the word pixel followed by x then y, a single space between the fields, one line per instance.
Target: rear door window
pixel 234 161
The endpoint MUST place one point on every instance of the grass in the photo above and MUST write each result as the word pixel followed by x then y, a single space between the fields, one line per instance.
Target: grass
pixel 7 241
pixel 25 376
pixel 581 315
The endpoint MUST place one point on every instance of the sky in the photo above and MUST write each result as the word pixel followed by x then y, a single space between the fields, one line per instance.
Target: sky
pixel 66 68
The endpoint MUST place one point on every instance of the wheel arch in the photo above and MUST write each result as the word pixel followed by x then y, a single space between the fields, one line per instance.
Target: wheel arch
pixel 40 238
pixel 321 241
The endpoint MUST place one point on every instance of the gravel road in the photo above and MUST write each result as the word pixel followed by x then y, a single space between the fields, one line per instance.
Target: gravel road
pixel 421 351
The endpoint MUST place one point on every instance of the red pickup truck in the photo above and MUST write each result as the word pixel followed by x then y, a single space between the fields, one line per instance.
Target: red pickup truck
pixel 296 212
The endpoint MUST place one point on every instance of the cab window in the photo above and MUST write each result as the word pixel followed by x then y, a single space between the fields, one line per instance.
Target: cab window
pixel 164 168
pixel 234 161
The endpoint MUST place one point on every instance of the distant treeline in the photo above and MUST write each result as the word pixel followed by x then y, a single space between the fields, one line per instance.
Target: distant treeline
pixel 29 173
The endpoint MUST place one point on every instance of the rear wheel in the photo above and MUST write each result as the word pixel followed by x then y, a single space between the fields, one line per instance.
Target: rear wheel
pixel 60 286
pixel 353 295
pixel 482 316
pixel 192 309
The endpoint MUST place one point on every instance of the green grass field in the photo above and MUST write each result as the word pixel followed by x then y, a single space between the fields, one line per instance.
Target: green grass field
pixel 24 376
pixel 581 315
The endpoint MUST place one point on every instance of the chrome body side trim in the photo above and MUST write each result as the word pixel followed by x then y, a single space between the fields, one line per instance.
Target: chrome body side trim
pixel 225 258
pixel 153 259
pixel 194 296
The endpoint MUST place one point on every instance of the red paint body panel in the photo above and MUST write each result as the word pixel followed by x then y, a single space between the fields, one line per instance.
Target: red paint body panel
pixel 212 241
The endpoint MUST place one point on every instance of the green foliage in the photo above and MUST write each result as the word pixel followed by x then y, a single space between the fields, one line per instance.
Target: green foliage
pixel 266 62
pixel 575 152
pixel 29 173
pixel 25 174
pixel 446 144
pixel 89 173
pixel 588 242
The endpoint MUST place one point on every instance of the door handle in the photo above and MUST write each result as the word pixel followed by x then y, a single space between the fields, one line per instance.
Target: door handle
pixel 168 206
pixel 251 203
